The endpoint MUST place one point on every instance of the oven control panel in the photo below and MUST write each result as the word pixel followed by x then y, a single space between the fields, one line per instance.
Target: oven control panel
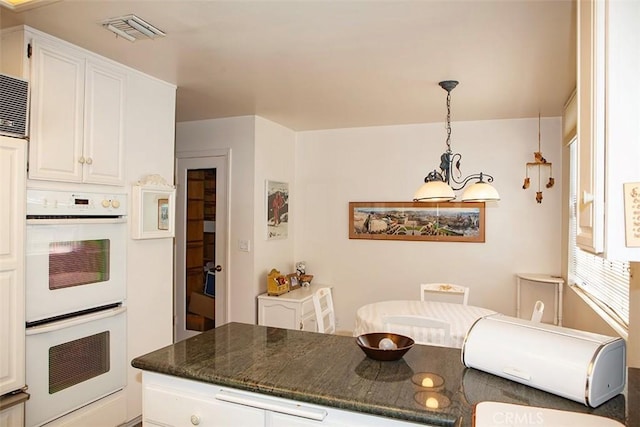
pixel 71 203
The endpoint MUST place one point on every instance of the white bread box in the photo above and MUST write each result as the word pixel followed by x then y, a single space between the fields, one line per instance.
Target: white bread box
pixel 582 366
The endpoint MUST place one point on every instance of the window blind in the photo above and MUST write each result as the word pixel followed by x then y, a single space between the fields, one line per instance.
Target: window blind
pixel 605 282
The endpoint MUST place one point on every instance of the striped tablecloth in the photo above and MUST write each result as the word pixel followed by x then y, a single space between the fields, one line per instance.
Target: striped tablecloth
pixel 460 317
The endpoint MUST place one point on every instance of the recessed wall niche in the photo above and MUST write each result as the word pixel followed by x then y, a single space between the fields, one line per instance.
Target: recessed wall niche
pixel 153 208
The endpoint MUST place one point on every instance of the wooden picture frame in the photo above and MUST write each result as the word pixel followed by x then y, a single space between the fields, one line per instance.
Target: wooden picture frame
pixel 294 281
pixel 277 209
pixel 438 222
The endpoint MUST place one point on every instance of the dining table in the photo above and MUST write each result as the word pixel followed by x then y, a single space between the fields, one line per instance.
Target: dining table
pixel 461 317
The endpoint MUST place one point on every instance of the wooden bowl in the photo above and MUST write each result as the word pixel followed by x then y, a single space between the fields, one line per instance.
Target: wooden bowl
pixel 369 344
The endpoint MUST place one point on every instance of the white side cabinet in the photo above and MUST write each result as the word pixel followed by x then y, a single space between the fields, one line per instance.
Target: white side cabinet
pixel 171 401
pixel 12 229
pixel 77 114
pixel 293 310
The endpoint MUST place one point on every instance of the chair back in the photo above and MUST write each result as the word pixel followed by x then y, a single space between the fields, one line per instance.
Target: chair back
pixel 439 334
pixel 538 310
pixel 325 315
pixel 445 292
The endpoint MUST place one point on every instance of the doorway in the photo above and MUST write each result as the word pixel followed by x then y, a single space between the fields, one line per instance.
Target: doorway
pixel 201 292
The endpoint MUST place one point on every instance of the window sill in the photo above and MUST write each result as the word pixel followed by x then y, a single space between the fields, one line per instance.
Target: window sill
pixel 620 329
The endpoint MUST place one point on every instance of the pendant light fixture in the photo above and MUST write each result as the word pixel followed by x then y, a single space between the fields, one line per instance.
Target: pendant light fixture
pixel 438 186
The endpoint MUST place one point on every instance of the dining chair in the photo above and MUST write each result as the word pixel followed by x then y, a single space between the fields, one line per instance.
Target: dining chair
pixel 444 292
pixel 409 320
pixel 538 310
pixel 325 315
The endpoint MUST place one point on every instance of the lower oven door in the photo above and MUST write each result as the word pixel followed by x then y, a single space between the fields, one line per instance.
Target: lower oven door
pixel 74 362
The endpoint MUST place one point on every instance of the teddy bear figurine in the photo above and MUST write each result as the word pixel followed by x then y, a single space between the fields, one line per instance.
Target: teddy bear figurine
pixel 301 268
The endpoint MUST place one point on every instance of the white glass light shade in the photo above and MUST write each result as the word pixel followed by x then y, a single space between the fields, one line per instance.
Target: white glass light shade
pixel 434 191
pixel 480 192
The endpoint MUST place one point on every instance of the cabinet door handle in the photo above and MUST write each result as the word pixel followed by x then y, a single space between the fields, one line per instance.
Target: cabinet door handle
pixel 271 405
pixel 89 160
pixel 81 160
pixel 195 420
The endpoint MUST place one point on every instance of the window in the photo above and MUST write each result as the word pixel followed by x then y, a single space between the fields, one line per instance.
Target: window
pixel 605 282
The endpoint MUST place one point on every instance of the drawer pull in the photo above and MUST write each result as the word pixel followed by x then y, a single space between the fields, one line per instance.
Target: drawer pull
pixel 195 420
pixel 270 405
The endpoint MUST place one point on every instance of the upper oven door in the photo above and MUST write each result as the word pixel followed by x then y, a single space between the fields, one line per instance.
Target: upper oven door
pixel 73 265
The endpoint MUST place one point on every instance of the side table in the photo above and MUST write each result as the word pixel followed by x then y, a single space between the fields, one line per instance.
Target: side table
pixel 542 278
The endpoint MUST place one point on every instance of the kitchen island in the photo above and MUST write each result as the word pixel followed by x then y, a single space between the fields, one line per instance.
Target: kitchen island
pixel 330 371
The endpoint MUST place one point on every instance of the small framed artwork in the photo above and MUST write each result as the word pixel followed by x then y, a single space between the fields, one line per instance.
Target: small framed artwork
pixel 439 222
pixel 277 208
pixel 163 214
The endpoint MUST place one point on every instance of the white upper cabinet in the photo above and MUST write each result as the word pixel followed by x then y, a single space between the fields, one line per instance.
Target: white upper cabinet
pixel 77 116
pixel 591 142
pixel 608 101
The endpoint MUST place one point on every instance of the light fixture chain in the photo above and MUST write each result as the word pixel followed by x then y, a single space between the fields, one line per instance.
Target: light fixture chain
pixel 449 121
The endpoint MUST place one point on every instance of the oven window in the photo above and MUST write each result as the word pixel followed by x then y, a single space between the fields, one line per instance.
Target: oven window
pixel 78 263
pixel 77 361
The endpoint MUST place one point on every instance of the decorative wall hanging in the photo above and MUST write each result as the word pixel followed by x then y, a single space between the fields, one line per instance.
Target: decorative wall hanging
pixel 441 222
pixel 277 200
pixel 539 163
pixel 632 214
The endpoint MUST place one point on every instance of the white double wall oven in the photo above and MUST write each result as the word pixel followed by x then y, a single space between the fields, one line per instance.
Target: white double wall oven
pixel 75 300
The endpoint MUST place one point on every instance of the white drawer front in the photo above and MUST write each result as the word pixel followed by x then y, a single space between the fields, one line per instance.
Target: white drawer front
pixel 173 407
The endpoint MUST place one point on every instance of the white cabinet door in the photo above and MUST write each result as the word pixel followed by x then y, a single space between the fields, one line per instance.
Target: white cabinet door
pixel 12 226
pixel 104 124
pixel 77 116
pixel 57 112
pixel 279 314
pixel 591 125
pixel 13 416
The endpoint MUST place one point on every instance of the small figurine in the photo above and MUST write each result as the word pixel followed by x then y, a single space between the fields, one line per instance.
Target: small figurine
pixel 551 182
pixel 538 156
pixel 301 268
pixel 526 184
pixel 539 196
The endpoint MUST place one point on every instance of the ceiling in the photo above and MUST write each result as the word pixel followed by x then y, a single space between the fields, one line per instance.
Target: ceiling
pixel 333 64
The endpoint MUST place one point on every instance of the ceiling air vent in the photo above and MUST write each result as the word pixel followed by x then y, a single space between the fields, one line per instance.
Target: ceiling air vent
pixel 132 28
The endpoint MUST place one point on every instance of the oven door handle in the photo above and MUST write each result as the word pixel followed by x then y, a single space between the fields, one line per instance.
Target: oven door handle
pixel 73 321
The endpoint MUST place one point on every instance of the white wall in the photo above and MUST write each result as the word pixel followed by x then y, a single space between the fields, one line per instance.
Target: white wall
pixel 334 167
pixel 275 159
pixel 260 150
pixel 149 150
pixel 238 135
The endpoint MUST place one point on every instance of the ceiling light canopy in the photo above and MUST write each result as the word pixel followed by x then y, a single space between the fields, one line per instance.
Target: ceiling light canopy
pixel 437 184
pixel 132 28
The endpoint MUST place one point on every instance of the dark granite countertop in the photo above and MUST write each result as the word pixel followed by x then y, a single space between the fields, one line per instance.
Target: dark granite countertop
pixel 331 370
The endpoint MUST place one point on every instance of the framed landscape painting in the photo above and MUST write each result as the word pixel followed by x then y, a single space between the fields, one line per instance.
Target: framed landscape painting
pixel 440 222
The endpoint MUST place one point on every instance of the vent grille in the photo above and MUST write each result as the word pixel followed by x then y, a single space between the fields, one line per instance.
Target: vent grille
pixel 14 100
pixel 132 28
